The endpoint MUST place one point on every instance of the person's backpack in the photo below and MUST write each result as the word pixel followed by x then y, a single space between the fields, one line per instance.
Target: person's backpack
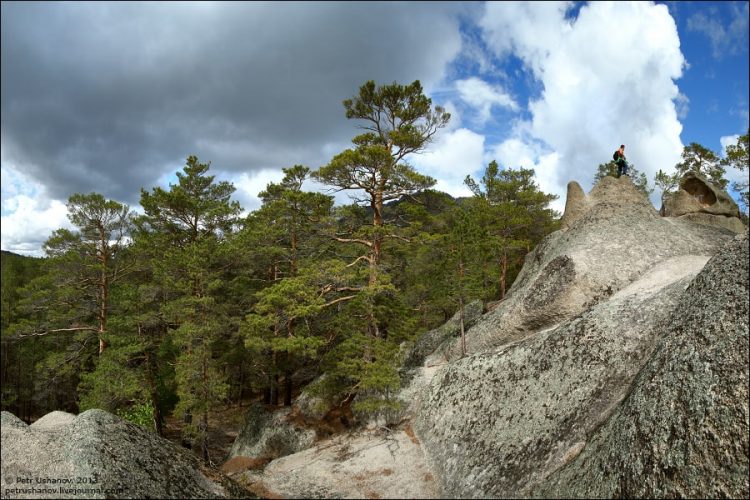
pixel 614 155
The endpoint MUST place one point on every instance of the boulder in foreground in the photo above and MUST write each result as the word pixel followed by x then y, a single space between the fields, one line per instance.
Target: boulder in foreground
pixel 100 455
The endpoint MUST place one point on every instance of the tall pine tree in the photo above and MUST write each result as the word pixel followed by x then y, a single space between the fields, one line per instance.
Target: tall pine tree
pixel 189 224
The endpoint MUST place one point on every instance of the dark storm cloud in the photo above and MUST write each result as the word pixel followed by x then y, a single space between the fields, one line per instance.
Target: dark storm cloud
pixel 109 96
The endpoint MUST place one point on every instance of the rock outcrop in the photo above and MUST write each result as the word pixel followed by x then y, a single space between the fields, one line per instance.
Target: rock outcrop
pixel 432 341
pixel 555 361
pixel 271 434
pixel 698 200
pixel 366 464
pixel 610 238
pixel 99 455
pixel 683 429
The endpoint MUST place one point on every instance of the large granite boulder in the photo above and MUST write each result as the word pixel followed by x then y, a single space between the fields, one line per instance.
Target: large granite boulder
pixel 683 429
pixel 699 200
pixel 555 360
pixel 271 434
pixel 609 239
pixel 497 422
pixel 99 455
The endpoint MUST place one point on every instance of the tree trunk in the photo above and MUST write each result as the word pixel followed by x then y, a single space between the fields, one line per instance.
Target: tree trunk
pixel 503 274
pixel 187 418
pixel 204 436
pixel 293 253
pixel 19 397
pixel 103 289
pixel 242 387
pixel 461 306
pixel 375 253
pixel 463 332
pixel 288 384
pixel 275 390
pixel 151 381
pixel 274 379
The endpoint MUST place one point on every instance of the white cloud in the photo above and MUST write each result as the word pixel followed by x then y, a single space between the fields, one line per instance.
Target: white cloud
pixel 483 96
pixel 682 105
pixel 728 140
pixel 515 153
pixel 729 39
pixel 608 79
pixel 453 156
pixel 28 215
pixel 248 186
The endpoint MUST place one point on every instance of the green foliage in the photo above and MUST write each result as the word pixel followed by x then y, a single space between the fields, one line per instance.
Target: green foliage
pixel 667 184
pixel 512 215
pixel 198 307
pixel 193 208
pixel 140 414
pixel 737 157
pixel 737 154
pixel 702 160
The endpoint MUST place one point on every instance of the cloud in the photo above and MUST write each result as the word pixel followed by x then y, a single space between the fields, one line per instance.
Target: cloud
pixel 607 79
pixel 483 97
pixel 454 155
pixel 248 186
pixel 107 96
pixel 28 220
pixel 730 38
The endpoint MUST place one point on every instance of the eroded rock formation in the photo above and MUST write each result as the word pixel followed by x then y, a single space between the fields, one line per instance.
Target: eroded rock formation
pixel 683 429
pixel 99 455
pixel 609 239
pixel 271 434
pixel 698 200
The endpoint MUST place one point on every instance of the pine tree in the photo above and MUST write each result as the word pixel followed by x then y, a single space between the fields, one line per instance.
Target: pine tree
pixel 737 157
pixel 288 218
pixel 18 371
pixel 398 120
pixel 463 248
pixel 189 224
pixel 702 160
pixel 514 215
pixel 86 263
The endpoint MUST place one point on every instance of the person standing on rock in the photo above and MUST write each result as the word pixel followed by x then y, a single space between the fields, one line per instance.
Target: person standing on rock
pixel 620 161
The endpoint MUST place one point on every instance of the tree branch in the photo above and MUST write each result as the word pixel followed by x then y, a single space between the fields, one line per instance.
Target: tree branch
pixel 353 240
pixel 340 299
pixel 58 330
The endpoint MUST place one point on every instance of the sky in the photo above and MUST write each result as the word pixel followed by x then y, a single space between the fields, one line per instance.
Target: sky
pixel 113 97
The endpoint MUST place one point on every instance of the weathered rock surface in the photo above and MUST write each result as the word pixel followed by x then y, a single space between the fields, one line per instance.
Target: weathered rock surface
pixel 611 238
pixel 683 430
pixel 99 455
pixel 365 464
pixel 698 200
pixel 430 342
pixel 271 434
pixel 495 423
